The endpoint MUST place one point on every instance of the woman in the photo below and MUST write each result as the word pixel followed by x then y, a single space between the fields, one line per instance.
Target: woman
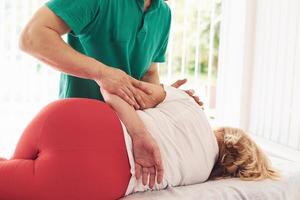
pixel 189 148
pixel 186 141
pixel 75 149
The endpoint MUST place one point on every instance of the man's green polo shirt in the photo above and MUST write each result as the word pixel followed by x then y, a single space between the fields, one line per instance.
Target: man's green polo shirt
pixel 117 33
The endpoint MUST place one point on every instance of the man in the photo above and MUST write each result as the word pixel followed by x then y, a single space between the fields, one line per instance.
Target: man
pixel 112 44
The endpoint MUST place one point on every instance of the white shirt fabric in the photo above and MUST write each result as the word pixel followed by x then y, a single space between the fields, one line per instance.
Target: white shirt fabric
pixel 187 144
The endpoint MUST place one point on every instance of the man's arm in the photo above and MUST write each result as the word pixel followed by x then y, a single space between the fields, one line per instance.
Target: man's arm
pixel 152 75
pixel 127 113
pixel 42 39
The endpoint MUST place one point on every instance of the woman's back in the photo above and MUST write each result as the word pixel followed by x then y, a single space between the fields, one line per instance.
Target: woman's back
pixel 185 138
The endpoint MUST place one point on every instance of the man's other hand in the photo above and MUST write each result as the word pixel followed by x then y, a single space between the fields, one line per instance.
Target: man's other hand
pixel 179 83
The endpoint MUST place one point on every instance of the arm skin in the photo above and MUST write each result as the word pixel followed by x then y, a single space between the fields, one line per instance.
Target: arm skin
pixel 145 149
pixel 128 114
pixel 42 39
pixel 152 75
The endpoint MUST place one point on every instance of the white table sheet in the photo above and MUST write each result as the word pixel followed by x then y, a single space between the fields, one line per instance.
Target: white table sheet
pixel 288 188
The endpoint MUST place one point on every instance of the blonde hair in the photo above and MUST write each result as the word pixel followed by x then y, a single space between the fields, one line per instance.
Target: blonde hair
pixel 240 156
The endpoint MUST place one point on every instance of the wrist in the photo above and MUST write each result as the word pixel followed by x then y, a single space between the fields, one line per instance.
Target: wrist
pixel 137 133
pixel 99 71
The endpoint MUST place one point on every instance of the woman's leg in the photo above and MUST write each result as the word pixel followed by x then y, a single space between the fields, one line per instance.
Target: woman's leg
pixel 73 149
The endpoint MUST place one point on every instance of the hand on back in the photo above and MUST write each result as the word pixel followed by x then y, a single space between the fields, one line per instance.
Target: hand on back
pixel 117 82
pixel 179 83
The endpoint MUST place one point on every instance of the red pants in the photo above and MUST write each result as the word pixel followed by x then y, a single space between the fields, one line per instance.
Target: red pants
pixel 73 149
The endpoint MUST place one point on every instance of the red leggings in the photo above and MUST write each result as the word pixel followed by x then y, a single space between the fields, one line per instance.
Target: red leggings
pixel 73 149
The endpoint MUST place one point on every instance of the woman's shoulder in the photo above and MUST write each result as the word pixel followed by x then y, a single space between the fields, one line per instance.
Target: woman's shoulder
pixel 173 94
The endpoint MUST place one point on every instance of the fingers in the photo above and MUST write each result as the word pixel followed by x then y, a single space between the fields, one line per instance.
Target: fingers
pixel 130 93
pixel 196 98
pixel 146 172
pixel 125 97
pixel 140 100
pixel 138 171
pixel 119 83
pixel 141 86
pixel 160 175
pixel 179 83
pixel 137 96
pixel 145 175
pixel 152 172
pixel 190 92
pixel 159 167
pixel 133 91
pixel 149 172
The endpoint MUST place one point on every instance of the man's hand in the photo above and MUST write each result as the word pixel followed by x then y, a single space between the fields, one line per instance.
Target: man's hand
pixel 117 82
pixel 147 159
pixel 179 83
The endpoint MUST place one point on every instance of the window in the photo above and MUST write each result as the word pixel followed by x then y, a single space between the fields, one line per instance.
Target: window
pixel 26 85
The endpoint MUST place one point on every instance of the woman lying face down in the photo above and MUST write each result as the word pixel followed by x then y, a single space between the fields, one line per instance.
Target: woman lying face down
pixel 186 149
pixel 79 143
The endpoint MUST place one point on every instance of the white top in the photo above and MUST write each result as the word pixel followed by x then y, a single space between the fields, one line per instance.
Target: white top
pixel 187 144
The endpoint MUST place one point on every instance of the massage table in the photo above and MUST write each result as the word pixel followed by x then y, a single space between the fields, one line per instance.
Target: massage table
pixel 288 188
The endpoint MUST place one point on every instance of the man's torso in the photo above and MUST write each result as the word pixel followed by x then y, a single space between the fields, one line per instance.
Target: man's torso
pixel 120 35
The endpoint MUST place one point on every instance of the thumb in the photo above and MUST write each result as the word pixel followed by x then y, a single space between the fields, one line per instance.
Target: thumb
pixel 140 85
pixel 179 83
pixel 159 168
pixel 157 160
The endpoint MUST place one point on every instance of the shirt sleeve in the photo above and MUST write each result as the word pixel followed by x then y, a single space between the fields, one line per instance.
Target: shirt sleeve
pixel 160 55
pixel 77 14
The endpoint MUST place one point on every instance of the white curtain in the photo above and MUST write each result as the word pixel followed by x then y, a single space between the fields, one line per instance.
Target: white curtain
pixel 259 69
pixel 26 85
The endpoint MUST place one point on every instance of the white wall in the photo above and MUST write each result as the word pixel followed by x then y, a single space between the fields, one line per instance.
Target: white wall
pixel 259 75
pixel 24 88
